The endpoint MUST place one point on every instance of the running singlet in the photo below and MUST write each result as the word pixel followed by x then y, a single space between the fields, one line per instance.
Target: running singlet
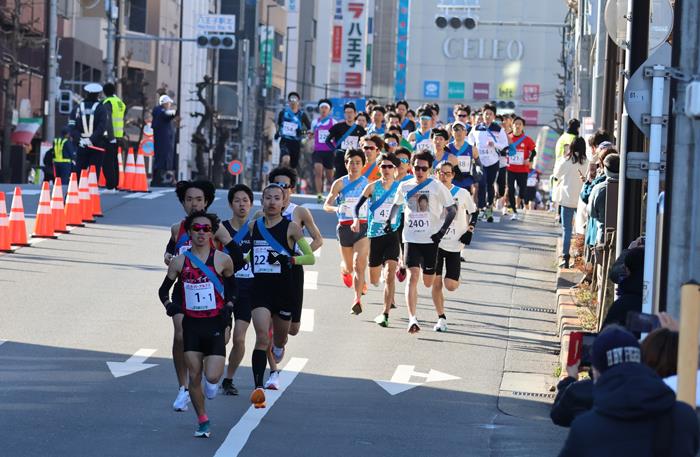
pixel 377 218
pixel 245 274
pixel 445 157
pixel 291 124
pixel 321 128
pixel 264 257
pixel 423 142
pixel 347 200
pixel 201 299
pixel 184 243
pixel 464 157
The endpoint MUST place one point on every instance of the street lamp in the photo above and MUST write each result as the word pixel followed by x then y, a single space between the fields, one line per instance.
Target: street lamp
pixel 286 58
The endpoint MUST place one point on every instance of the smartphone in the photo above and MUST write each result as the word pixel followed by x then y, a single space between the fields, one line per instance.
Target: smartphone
pixel 642 322
pixel 580 344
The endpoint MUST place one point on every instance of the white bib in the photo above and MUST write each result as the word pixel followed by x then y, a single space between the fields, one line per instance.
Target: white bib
pixel 347 209
pixel 200 296
pixel 260 259
pixel 322 136
pixel 419 222
pixel 465 164
pixel 424 145
pixel 451 233
pixel 289 128
pixel 531 181
pixel 503 161
pixel 349 143
pixel 517 159
pixel 382 213
pixel 246 272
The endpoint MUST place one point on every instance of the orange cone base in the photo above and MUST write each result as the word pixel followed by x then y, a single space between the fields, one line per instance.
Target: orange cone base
pixel 8 251
pixel 76 225
pixel 22 245
pixel 89 221
pixel 53 237
pixel 61 231
pixel 98 215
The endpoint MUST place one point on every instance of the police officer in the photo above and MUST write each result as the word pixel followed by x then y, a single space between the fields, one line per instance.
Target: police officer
pixel 163 139
pixel 115 109
pixel 59 159
pixel 89 125
pixel 292 121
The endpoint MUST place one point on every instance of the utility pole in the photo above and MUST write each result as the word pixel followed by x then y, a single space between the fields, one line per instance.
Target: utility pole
pixel 109 61
pixel 286 58
pixel 10 88
pixel 52 70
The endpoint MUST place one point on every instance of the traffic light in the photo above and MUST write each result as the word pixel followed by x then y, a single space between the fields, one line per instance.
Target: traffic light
pixel 507 105
pixel 468 22
pixel 216 41
pixel 65 102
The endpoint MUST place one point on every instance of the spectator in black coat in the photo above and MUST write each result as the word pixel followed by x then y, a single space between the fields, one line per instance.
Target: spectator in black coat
pixel 634 413
pixel 630 283
pixel 573 398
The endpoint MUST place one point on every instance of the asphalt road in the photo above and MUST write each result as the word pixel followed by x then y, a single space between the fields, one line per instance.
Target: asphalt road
pixel 352 388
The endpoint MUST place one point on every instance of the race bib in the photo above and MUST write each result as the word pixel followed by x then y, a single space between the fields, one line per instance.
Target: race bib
pixel 405 133
pixel 347 209
pixel 382 213
pixel 289 128
pixel 184 249
pixel 517 159
pixel 260 254
pixel 423 145
pixel 419 222
pixel 322 136
pixel 503 161
pixel 200 296
pixel 465 164
pixel 451 234
pixel 531 181
pixel 246 272
pixel 349 143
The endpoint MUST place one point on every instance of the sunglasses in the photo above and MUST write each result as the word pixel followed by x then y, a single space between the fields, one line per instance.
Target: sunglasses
pixel 369 148
pixel 201 228
pixel 445 173
pixel 388 165
pixel 462 115
pixel 391 144
pixel 426 118
pixel 282 185
pixel 420 168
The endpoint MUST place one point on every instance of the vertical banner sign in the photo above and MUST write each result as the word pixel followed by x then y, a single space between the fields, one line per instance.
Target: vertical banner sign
pixel 267 39
pixel 337 38
pixel 401 50
pixel 352 66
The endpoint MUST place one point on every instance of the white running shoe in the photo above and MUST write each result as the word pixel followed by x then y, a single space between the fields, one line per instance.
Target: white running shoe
pixel 441 325
pixel 273 382
pixel 183 398
pixel 514 217
pixel 210 390
pixel 413 326
pixel 277 353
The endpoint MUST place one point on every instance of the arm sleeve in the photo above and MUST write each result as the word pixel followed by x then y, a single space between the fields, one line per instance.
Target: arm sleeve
pixel 170 248
pixel 330 139
pixel 362 201
pixel 449 217
pixel 533 153
pixel 164 290
pixel 230 288
pixel 100 125
pixel 305 121
pixel 307 257
pixel 234 251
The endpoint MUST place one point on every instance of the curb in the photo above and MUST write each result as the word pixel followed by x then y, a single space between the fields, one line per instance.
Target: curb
pixel 566 308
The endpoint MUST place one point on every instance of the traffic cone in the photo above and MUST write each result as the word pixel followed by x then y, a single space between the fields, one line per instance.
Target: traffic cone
pixel 84 193
pixel 140 178
pixel 74 215
pixel 43 225
pixel 5 243
pixel 57 211
pixel 18 228
pixel 103 181
pixel 95 204
pixel 120 162
pixel 129 170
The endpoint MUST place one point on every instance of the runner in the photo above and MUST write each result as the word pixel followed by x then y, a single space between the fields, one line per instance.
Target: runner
pixel 506 122
pixel 362 120
pixel 292 122
pixel 273 237
pixel 489 139
pixel 425 200
pixel 354 246
pixel 441 152
pixel 344 136
pixel 391 141
pixel 377 127
pixel 451 245
pixel 323 154
pixel 372 145
pixel 521 153
pixel 402 174
pixel 467 157
pixel 208 287
pixel 407 125
pixel 420 138
pixel 394 120
pixel 240 199
pixel 384 247
pixel 287 178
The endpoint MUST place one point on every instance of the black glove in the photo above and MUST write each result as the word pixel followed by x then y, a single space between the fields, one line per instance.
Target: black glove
pixel 273 257
pixel 172 309
pixel 277 135
pixel 466 239
pixel 387 227
pixel 436 237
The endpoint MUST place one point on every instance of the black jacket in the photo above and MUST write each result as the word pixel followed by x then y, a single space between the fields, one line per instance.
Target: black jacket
pixel 629 299
pixel 573 398
pixel 633 413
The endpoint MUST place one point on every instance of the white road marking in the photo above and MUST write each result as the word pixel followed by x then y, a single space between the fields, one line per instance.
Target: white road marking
pixel 134 195
pixel 133 364
pixel 27 192
pixel 401 380
pixel 152 195
pixel 310 280
pixel 313 205
pixel 239 434
pixel 307 320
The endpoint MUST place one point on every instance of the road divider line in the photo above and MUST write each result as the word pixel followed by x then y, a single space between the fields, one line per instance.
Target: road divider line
pixel 307 320
pixel 310 280
pixel 238 436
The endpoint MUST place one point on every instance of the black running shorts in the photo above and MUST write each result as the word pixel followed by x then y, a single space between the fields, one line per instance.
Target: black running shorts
pixel 290 148
pixel 274 292
pixel 347 237
pixel 243 306
pixel 421 255
pixel 452 263
pixel 205 335
pixel 383 248
pixel 297 292
pixel 323 157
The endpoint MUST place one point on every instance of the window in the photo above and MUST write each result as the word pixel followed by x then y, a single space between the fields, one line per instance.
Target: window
pixel 279 44
pixel 136 13
pixel 96 75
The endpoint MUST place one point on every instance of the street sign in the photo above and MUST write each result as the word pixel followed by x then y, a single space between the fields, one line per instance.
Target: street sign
pixel 147 147
pixel 431 89
pixel 660 22
pixel 401 380
pixel 235 167
pixel 638 92
pixel 216 23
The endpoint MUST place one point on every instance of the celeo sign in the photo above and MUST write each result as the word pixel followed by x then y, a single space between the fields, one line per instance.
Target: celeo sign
pixel 482 49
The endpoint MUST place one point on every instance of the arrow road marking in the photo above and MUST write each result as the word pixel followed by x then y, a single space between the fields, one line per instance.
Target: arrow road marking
pixel 401 380
pixel 133 364
pixel 239 434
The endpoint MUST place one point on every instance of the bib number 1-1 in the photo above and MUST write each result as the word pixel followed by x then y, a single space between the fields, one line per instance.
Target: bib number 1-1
pixel 200 296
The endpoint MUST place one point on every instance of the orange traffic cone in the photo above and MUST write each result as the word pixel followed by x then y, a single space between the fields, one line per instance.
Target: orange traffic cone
pixel 140 178
pixel 84 193
pixel 57 211
pixel 96 206
pixel 43 225
pixel 129 170
pixel 18 228
pixel 5 243
pixel 74 215
pixel 103 181
pixel 120 162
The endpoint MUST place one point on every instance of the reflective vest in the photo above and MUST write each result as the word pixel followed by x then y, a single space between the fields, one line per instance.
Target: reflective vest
pixel 118 110
pixel 58 151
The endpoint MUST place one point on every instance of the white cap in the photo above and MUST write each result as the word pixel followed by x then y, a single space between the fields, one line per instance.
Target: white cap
pixel 93 88
pixel 464 126
pixel 164 99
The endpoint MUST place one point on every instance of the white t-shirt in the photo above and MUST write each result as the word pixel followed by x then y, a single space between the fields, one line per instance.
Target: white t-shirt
pixel 479 138
pixel 458 227
pixel 422 212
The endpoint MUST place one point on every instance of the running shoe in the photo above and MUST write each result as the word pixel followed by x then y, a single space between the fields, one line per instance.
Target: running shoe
pixel 514 217
pixel 356 308
pixel 273 382
pixel 202 430
pixel 347 279
pixel 183 398
pixel 257 398
pixel 441 325
pixel 319 198
pixel 413 326
pixel 210 390
pixel 228 387
pixel 382 320
pixel 401 274
pixel 489 215
pixel 277 353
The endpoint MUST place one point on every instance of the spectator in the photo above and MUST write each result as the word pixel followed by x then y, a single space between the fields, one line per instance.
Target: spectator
pixel 629 276
pixel 567 138
pixel 660 351
pixel 568 172
pixel 573 398
pixel 634 412
pixel 596 202
pixel 163 139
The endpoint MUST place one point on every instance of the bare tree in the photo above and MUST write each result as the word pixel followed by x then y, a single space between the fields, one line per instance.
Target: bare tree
pixel 199 139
